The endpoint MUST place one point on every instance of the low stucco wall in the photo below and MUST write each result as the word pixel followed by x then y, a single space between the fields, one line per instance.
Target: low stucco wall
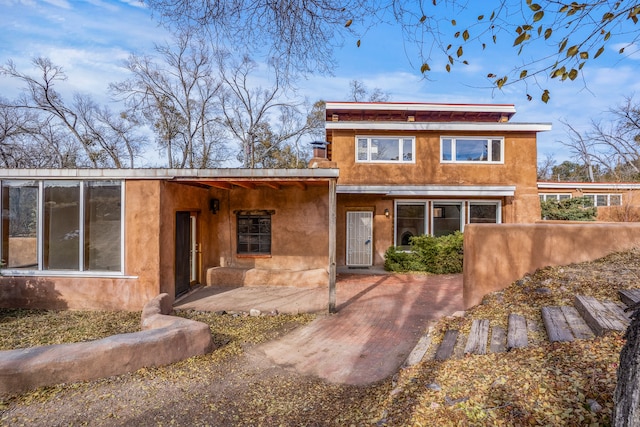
pixel 163 340
pixel 230 276
pixel 495 255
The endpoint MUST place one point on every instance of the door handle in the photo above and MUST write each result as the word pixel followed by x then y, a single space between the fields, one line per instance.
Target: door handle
pixel 366 242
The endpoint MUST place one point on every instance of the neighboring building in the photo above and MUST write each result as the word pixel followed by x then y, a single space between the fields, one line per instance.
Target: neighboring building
pixel 414 168
pixel 615 201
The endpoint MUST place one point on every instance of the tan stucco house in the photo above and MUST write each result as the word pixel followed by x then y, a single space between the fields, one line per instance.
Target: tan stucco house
pixel 113 239
pixel 415 168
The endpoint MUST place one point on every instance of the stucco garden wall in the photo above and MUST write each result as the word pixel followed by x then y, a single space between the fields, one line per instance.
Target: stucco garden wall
pixel 163 340
pixel 495 255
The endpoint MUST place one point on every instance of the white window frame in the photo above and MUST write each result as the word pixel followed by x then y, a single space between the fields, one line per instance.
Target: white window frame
pixel 400 139
pixel 608 195
pixel 80 272
pixel 496 203
pixel 544 197
pixel 455 139
pixel 428 206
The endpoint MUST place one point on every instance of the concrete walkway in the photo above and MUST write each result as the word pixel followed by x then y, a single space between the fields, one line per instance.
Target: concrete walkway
pixel 380 319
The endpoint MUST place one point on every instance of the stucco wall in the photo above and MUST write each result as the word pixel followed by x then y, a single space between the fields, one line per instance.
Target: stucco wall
pixel 382 226
pixel 299 236
pixel 519 168
pixel 177 197
pixel 141 281
pixel 495 255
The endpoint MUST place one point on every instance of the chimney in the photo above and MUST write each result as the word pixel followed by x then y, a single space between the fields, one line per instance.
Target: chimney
pixel 319 149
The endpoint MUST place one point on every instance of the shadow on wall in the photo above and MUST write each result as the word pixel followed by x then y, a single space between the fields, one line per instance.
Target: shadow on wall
pixel 30 292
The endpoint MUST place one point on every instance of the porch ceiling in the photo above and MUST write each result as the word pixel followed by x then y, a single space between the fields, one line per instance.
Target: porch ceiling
pixel 252 184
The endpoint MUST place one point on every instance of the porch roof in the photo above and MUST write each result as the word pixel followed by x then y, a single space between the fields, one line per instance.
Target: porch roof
pixel 430 190
pixel 219 178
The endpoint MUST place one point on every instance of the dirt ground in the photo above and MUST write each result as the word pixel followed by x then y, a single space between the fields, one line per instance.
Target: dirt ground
pixel 242 390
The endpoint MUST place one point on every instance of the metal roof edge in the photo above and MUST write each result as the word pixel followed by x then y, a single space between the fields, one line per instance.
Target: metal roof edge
pixel 166 174
pixel 441 126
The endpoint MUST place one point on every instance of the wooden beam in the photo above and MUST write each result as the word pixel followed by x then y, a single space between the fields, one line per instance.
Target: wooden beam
pixel 248 185
pixel 221 185
pixel 273 185
pixel 332 246
pixel 300 185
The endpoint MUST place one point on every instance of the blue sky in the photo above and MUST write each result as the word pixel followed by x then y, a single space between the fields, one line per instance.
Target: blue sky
pixel 90 39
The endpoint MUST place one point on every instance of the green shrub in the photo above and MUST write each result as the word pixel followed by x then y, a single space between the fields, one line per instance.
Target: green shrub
pixel 437 255
pixel 573 209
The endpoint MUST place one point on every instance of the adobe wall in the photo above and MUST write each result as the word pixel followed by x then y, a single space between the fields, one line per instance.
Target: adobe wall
pixel 163 340
pixel 382 226
pixel 140 284
pixel 177 197
pixel 299 236
pixel 495 255
pixel 519 168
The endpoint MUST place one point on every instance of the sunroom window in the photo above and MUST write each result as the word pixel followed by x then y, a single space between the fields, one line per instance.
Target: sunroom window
pixel 605 199
pixel 385 149
pixel 471 149
pixel 60 225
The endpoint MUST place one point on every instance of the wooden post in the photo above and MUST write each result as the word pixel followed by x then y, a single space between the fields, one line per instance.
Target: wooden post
pixel 332 245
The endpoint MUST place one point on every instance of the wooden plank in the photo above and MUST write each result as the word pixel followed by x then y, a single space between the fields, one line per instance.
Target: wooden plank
pixel 498 340
pixel 517 332
pixel 629 296
pixel 445 350
pixel 578 326
pixel 556 325
pixel 458 350
pixel 599 318
pixel 418 351
pixel 617 312
pixel 477 341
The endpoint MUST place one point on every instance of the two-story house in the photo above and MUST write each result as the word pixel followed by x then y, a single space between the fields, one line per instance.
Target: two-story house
pixel 113 239
pixel 415 168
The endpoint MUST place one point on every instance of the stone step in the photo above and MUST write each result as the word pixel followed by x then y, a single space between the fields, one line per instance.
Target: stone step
pixel 517 332
pixel 629 297
pixel 564 323
pixel 601 317
pixel 477 341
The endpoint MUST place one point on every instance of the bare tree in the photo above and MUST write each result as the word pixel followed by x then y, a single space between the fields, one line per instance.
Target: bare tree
pixel 612 144
pixel 177 94
pixel 358 92
pixel 83 120
pixel 249 110
pixel 559 37
pixel 545 168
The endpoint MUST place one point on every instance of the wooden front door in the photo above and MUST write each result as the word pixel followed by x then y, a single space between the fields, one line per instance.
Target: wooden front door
pixel 359 239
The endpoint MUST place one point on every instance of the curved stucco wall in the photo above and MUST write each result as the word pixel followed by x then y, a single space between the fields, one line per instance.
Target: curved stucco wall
pixel 495 255
pixel 163 340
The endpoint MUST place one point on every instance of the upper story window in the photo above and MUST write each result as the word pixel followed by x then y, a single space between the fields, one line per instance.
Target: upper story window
pixel 471 149
pixel 375 149
pixel 605 199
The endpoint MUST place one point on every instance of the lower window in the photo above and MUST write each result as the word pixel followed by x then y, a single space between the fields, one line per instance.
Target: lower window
pixel 62 225
pixel 254 234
